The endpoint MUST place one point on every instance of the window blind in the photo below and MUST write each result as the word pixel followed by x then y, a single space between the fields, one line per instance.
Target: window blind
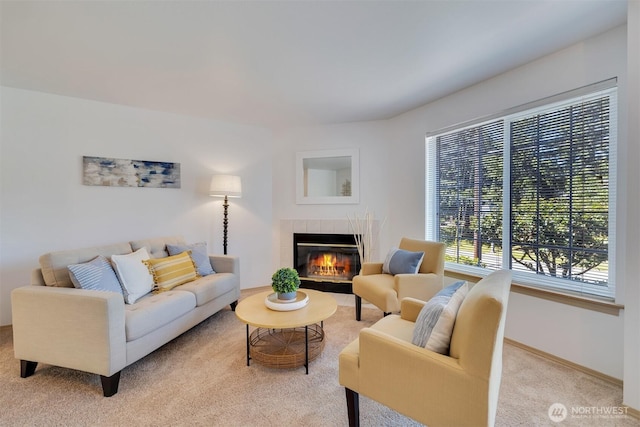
pixel 530 191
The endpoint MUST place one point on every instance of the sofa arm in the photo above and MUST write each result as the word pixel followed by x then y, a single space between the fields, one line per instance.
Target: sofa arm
pixel 422 286
pixel 371 268
pixel 72 328
pixel 410 308
pixel 225 264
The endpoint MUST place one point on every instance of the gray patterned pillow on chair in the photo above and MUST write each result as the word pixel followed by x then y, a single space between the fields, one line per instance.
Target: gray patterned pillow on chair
pixel 435 322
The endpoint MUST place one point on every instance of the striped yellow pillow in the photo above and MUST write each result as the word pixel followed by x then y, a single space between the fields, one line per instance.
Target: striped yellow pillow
pixel 171 271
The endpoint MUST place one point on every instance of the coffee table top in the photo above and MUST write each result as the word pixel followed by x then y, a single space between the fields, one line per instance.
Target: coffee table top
pixel 253 311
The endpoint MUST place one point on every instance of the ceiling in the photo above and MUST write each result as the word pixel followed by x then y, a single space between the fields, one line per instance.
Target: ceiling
pixel 283 63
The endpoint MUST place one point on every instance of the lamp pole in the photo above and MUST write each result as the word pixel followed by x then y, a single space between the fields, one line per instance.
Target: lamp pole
pixel 225 223
pixel 225 186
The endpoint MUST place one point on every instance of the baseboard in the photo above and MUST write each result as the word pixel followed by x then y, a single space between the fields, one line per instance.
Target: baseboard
pixel 565 362
pixel 633 412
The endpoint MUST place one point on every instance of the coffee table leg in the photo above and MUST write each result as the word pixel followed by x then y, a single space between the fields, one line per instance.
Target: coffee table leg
pixel 306 349
pixel 248 356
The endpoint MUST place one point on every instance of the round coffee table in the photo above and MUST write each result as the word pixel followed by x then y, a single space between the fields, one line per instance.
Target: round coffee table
pixel 285 339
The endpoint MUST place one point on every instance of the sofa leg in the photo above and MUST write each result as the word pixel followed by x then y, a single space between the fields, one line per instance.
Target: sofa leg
pixel 358 307
pixel 385 314
pixel 27 368
pixel 233 305
pixel 110 384
pixel 353 407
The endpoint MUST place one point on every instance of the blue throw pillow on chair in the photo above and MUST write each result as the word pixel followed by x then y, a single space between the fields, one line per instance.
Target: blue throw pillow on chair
pixel 399 261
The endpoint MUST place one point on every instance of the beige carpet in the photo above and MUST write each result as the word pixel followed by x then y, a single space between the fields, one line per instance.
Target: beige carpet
pixel 201 379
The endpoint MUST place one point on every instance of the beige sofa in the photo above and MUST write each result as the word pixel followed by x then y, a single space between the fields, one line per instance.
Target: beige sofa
pixel 95 331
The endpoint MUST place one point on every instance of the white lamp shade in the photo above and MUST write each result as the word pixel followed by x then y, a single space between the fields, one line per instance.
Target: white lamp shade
pixel 225 185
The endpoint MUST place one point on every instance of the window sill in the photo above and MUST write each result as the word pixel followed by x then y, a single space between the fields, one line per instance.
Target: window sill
pixel 586 303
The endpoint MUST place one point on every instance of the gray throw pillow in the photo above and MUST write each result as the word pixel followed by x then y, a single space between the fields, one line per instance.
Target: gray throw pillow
pixel 399 261
pixel 198 254
pixel 435 321
pixel 96 274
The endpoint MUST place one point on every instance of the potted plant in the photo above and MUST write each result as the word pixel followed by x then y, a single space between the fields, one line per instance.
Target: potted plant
pixel 285 283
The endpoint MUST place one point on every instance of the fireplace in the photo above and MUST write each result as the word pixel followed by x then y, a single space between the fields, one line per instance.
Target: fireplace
pixel 326 262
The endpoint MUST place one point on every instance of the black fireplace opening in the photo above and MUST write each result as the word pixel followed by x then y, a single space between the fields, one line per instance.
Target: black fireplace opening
pixel 326 262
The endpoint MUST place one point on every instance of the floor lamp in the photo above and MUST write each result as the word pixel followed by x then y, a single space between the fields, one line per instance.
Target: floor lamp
pixel 225 186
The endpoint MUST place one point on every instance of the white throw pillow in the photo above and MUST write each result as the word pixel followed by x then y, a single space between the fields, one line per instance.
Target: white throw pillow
pixel 134 276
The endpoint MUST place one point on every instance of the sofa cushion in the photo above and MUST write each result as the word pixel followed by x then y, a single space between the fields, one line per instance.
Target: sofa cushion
pixel 97 275
pixel 156 310
pixel 210 287
pixel 54 264
pixel 198 253
pixel 399 261
pixel 171 271
pixel 134 276
pixel 435 322
pixel 157 247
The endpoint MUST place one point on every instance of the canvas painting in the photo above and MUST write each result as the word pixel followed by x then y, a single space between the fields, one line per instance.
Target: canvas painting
pixel 130 173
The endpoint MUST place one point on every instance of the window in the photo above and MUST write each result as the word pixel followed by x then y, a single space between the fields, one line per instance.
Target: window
pixel 530 191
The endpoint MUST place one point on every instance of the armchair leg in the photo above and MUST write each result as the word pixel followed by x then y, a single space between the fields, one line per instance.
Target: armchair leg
pixel 110 384
pixel 385 314
pixel 233 305
pixel 353 407
pixel 358 308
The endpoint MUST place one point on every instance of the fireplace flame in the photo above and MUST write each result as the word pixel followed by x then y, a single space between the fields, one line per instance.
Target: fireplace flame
pixel 330 264
pixel 329 260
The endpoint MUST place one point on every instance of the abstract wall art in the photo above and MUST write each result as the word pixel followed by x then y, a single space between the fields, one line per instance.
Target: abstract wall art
pixel 110 172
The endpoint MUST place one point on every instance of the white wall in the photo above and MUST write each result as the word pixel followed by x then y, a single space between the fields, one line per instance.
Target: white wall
pixel 45 207
pixel 631 248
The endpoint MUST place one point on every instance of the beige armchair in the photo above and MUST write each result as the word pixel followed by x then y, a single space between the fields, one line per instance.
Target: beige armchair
pixel 385 291
pixel 458 389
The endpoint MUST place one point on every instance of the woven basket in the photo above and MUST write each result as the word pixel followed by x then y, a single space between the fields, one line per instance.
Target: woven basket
pixel 284 348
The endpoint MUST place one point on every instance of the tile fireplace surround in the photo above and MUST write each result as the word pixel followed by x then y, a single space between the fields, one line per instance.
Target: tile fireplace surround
pixel 321 226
